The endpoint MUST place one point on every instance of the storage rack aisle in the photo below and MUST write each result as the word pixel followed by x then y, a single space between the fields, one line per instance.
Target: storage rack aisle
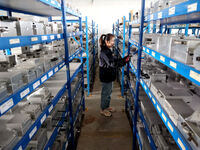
pixel 90 51
pixel 167 68
pixel 41 101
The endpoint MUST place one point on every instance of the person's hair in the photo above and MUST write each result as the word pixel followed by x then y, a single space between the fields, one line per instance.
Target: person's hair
pixel 104 38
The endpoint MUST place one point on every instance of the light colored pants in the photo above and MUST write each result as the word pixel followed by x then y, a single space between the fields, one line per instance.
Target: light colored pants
pixel 106 95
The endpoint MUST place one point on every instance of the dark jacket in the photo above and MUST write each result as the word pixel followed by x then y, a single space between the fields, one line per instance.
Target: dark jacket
pixel 108 64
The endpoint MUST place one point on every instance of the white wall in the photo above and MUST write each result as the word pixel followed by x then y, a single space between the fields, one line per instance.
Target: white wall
pixel 105 12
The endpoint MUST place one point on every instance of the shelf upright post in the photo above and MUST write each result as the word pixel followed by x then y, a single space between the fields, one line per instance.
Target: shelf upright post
pixel 68 69
pixel 123 54
pixel 93 46
pixel 129 48
pixel 87 53
pixel 186 29
pixel 82 64
pixel 138 75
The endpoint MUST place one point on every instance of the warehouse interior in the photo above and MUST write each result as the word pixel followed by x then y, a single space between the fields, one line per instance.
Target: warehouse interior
pixel 51 87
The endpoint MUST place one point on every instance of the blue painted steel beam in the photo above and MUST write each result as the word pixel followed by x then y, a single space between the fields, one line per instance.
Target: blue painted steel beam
pixel 63 9
pixel 185 8
pixel 82 64
pixel 20 41
pixel 138 73
pixel 87 53
pixel 123 54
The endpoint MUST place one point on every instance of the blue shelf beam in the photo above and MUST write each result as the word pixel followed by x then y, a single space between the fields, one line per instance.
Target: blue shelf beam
pixel 20 41
pixel 188 72
pixel 185 8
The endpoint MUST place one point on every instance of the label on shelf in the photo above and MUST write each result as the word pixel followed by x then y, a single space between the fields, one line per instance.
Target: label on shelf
pixel 158 108
pixel 150 95
pixel 172 11
pixel 50 108
pixel 162 58
pixel 44 78
pixel 195 75
pixel 192 7
pixel 50 73
pixel 34 39
pixel 147 50
pixel 181 144
pixel 173 64
pixel 6 105
pixel 43 118
pixel 153 54
pixel 153 100
pixel 56 69
pixel 170 127
pixel 58 36
pixel 52 37
pixel 36 84
pixel 44 38
pixel 24 93
pixel 159 15
pixel 145 87
pixel 32 132
pixel 53 2
pixel 14 41
pixel 164 117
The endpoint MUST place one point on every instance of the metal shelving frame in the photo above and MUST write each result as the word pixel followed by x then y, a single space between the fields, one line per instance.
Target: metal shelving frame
pixel 54 9
pixel 188 9
pixel 93 30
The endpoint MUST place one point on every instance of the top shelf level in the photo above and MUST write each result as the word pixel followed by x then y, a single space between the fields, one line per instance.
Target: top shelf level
pixel 44 8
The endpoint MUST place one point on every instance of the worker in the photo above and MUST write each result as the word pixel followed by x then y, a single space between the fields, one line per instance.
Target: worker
pixel 108 65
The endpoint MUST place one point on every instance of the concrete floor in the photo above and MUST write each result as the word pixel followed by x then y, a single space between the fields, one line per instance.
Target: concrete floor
pixel 101 133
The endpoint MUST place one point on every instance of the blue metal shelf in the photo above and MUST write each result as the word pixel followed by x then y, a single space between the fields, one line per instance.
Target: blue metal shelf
pixel 20 41
pixel 60 123
pixel 56 130
pixel 40 120
pixel 184 8
pixel 40 7
pixel 178 137
pixel 15 98
pixel 187 71
pixel 87 50
pixel 153 146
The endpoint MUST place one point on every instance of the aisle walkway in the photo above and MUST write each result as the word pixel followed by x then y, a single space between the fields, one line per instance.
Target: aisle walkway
pixel 101 133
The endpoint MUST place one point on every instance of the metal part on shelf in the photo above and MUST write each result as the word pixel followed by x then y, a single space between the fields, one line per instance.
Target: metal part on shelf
pixel 38 28
pixel 39 140
pixel 183 50
pixel 196 58
pixel 8 138
pixel 24 28
pixel 13 80
pixel 19 122
pixel 8 28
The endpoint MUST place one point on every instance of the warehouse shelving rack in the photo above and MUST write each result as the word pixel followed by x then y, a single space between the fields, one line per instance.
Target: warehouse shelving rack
pixel 126 84
pixel 90 29
pixel 188 9
pixel 54 9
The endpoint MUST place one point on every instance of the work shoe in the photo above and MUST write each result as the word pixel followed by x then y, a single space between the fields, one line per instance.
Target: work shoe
pixel 111 109
pixel 106 113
